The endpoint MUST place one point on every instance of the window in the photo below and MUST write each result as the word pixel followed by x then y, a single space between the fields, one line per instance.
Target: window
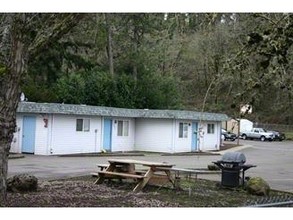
pixel 86 125
pixel 211 128
pixel 79 124
pixel 82 124
pixel 123 127
pixel 183 130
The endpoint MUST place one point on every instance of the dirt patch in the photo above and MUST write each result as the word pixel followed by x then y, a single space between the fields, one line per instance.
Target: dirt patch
pixel 81 192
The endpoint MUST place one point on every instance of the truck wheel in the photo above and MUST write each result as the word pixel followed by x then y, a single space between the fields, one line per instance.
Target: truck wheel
pixel 262 138
pixel 244 136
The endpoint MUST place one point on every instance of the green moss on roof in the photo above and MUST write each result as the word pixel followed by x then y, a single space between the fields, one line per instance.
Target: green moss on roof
pixel 69 109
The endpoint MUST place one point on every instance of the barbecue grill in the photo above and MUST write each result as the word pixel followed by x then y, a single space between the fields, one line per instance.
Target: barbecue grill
pixel 232 164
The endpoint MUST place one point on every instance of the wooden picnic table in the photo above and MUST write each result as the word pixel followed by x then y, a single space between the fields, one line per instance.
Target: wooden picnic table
pixel 126 168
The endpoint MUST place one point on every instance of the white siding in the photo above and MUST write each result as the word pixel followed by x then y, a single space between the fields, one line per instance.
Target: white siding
pixel 66 140
pixel 41 137
pixel 210 141
pixel 154 135
pixel 123 143
pixel 183 144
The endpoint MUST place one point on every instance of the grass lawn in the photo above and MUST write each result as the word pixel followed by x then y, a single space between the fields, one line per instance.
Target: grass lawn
pixel 289 135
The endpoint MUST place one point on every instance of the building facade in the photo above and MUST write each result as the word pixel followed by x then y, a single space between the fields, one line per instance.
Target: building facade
pixel 58 129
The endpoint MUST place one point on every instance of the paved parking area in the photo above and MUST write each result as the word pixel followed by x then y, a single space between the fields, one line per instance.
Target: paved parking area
pixel 274 162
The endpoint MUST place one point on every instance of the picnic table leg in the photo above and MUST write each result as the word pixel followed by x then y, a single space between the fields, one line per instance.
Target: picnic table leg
pixel 168 172
pixel 101 177
pixel 144 181
pixel 177 180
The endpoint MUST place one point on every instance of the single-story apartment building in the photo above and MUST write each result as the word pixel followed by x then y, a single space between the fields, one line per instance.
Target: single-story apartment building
pixel 56 129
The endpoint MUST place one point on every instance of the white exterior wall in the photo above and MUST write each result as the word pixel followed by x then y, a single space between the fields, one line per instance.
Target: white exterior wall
pixel 123 143
pixel 64 139
pixel 159 135
pixel 154 135
pixel 17 136
pixel 183 144
pixel 41 136
pixel 210 141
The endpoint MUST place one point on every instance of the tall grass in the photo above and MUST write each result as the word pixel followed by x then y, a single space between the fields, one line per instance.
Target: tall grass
pixel 289 135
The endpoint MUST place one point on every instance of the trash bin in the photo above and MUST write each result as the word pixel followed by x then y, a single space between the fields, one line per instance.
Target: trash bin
pixel 232 164
pixel 230 178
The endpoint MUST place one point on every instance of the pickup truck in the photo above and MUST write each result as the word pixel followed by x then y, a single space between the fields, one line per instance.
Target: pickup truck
pixel 257 133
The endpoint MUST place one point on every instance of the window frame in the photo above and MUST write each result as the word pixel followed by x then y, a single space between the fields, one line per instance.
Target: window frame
pixel 183 130
pixel 83 125
pixel 122 128
pixel 211 128
pixel 86 126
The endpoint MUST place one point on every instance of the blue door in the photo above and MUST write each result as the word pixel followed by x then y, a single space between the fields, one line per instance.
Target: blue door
pixel 194 137
pixel 28 134
pixel 107 134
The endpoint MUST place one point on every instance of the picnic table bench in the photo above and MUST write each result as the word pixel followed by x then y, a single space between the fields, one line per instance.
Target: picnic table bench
pixel 102 166
pixel 125 168
pixel 191 171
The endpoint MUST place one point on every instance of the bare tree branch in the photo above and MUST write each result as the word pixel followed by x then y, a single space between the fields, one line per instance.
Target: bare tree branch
pixel 61 24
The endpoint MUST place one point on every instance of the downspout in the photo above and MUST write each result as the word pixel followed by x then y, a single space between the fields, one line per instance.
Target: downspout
pixel 51 135
pixel 173 135
pixel 102 135
pixel 96 136
pixel 48 133
pixel 219 125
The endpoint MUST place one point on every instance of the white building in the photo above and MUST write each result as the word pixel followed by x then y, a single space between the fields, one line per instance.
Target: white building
pixel 55 129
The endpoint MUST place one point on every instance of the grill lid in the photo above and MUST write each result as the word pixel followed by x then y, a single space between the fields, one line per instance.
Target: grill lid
pixel 234 157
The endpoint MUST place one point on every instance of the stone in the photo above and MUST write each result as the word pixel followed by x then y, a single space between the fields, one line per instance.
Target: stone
pixel 258 186
pixel 22 183
pixel 213 167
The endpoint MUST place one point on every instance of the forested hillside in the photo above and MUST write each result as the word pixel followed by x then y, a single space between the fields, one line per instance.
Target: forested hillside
pixel 207 61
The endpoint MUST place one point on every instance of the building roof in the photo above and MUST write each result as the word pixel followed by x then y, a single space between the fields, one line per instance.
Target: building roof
pixel 69 109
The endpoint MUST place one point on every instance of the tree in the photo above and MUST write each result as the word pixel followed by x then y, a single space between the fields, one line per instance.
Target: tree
pixel 71 89
pixel 233 50
pixel 22 37
pixel 110 43
pixel 263 65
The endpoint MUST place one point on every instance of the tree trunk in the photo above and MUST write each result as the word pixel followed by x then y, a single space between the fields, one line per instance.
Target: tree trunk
pixel 110 44
pixel 135 51
pixel 19 43
pixel 9 96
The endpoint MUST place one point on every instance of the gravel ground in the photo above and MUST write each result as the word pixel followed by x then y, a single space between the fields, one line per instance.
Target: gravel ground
pixel 81 192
